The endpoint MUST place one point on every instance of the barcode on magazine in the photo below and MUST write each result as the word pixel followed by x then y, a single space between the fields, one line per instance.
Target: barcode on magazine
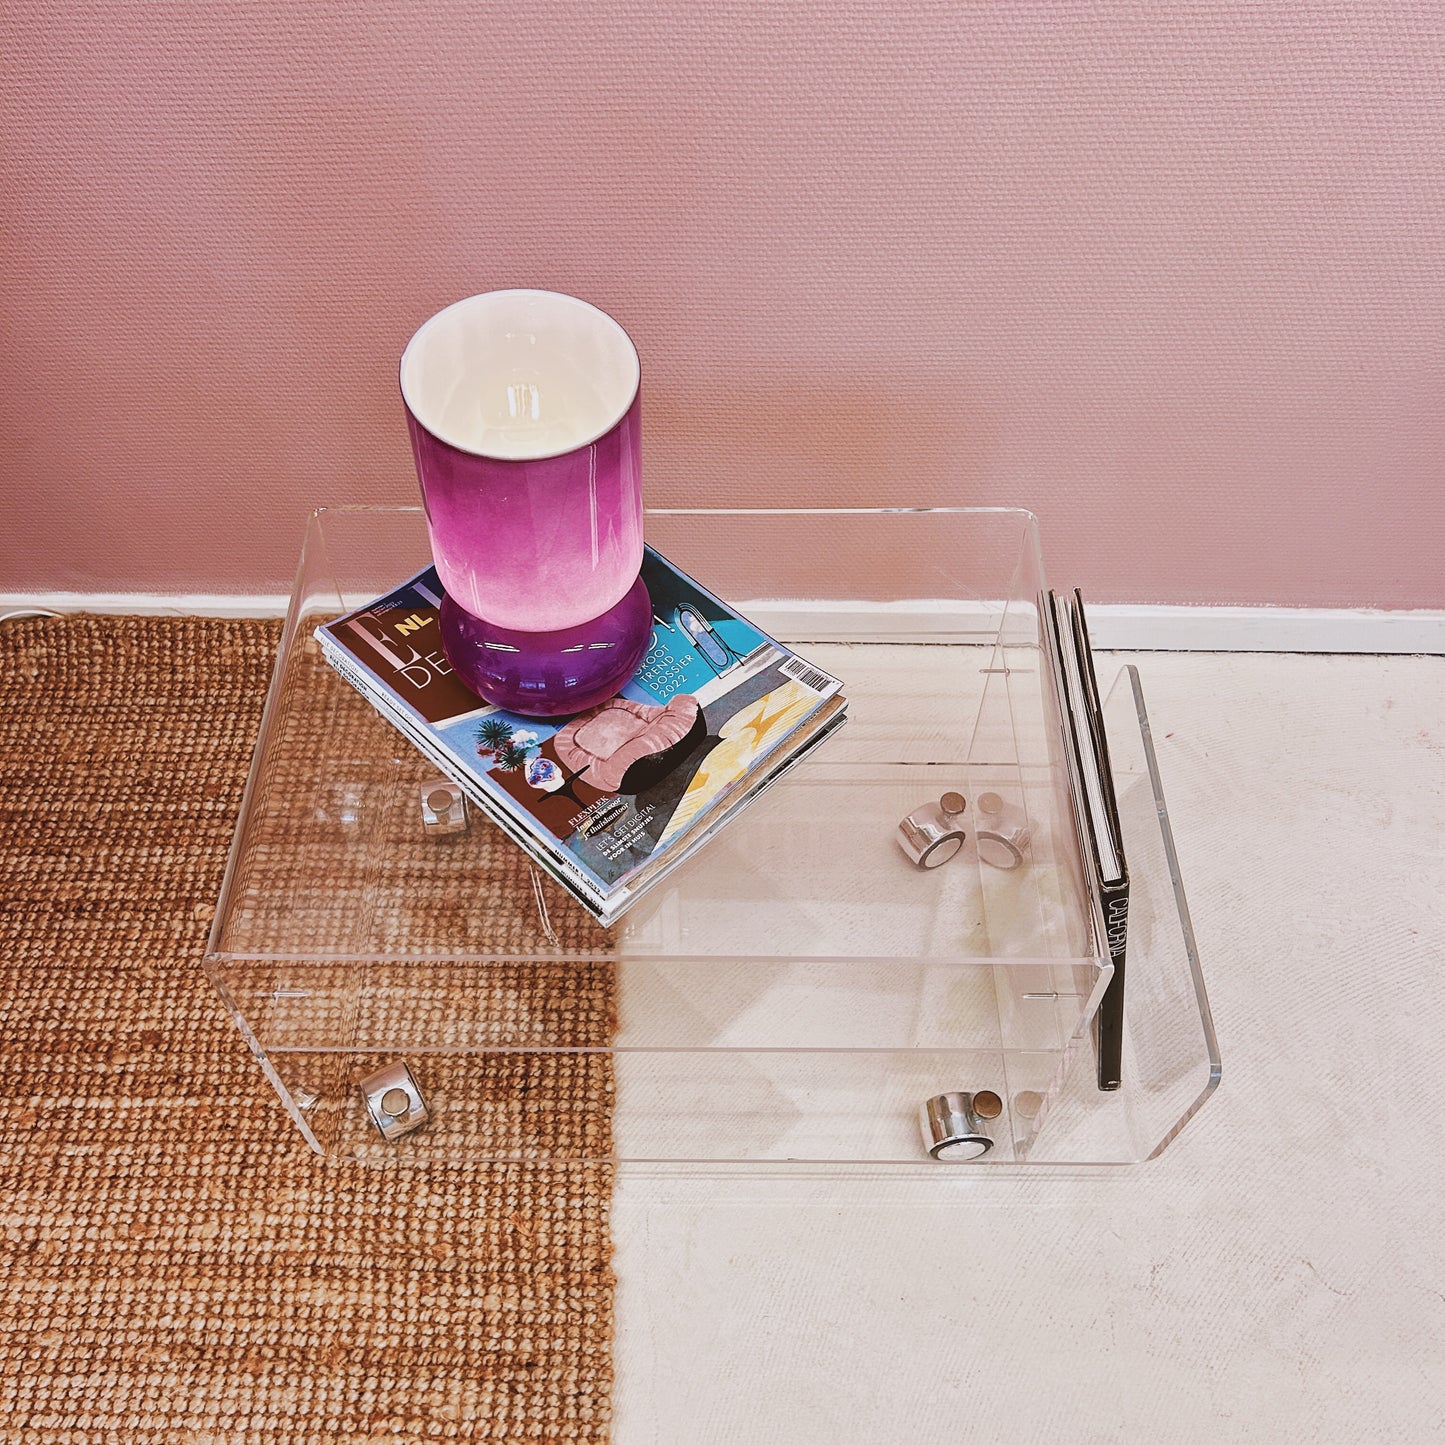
pixel 799 671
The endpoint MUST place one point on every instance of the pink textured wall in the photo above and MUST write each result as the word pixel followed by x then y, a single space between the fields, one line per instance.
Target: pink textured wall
pixel 1169 274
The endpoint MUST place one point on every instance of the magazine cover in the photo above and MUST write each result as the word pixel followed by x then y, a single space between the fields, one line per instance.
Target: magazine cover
pixel 715 707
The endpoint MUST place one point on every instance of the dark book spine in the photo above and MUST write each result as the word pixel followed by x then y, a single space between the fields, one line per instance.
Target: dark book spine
pixel 1109 1039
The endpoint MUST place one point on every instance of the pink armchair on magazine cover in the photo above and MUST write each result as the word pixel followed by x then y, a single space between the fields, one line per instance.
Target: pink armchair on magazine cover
pixel 624 746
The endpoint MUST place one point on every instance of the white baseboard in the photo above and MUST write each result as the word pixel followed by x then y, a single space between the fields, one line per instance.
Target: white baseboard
pixel 1115 627
pixel 148 604
pixel 1130 628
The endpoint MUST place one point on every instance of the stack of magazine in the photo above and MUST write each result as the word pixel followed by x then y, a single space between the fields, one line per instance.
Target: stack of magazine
pixel 609 801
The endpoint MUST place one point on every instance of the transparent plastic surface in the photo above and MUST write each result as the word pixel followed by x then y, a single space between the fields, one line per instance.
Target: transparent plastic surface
pixel 1171 1056
pixel 790 996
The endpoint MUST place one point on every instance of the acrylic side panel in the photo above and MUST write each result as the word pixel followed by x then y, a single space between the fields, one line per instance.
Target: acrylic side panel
pixel 1171 1060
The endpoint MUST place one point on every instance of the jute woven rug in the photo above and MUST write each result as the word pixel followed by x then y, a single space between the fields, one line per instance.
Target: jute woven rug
pixel 177 1264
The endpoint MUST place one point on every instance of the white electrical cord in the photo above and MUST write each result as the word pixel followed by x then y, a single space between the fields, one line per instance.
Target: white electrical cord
pixel 15 614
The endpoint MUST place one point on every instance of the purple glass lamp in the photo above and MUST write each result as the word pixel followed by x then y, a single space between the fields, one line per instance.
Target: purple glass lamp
pixel 524 409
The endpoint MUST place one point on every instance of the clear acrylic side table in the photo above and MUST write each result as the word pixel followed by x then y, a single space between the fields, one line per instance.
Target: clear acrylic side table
pixel 793 995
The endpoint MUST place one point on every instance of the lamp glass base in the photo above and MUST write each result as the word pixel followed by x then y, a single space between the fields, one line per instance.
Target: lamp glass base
pixel 549 674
